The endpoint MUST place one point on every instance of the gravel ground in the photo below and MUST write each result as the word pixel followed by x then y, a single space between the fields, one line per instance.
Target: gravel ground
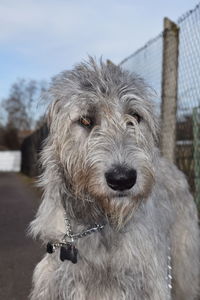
pixel 18 253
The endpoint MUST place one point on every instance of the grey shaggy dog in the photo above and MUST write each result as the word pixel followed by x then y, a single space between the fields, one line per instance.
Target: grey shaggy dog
pixel 101 160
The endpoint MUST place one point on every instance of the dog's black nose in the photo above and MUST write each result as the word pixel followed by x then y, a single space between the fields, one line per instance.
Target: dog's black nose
pixel 121 178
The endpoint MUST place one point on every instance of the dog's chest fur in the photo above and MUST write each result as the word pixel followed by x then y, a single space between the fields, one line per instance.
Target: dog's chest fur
pixel 122 264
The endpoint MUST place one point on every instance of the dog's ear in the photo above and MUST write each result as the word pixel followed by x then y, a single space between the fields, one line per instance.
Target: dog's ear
pixel 53 111
pixel 156 129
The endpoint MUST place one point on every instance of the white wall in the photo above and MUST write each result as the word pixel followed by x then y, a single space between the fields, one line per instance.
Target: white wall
pixel 10 161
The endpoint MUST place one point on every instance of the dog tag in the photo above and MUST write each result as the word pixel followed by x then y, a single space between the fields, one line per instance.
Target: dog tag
pixel 69 252
pixel 65 252
pixel 74 253
pixel 50 248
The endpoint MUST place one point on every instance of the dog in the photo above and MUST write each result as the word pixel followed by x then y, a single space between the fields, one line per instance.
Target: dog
pixel 118 218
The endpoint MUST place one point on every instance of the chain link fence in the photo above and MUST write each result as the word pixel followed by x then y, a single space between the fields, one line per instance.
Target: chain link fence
pixel 149 62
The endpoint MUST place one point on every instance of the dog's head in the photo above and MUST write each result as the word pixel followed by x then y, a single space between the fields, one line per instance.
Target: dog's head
pixel 104 132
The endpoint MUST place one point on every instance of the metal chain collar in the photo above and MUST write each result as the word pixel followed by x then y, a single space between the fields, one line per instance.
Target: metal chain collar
pixel 68 251
pixel 75 236
pixel 169 271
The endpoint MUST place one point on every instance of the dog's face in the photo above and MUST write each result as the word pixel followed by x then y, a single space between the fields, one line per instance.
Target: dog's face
pixel 104 132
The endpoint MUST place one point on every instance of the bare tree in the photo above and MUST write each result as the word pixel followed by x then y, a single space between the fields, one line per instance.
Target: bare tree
pixel 20 103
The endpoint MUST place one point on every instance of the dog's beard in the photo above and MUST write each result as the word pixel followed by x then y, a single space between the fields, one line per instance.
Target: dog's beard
pixel 116 209
pixel 92 198
pixel 120 207
pixel 119 210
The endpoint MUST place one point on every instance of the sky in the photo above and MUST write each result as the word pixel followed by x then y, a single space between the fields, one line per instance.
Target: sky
pixel 40 38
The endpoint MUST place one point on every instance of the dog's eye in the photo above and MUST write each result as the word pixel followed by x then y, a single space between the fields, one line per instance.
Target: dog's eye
pixel 86 122
pixel 136 117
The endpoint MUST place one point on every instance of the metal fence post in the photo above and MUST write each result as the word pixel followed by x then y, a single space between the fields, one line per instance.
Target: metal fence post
pixel 169 89
pixel 196 145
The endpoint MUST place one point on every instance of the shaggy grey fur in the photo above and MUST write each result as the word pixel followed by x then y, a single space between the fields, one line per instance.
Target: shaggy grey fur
pixel 128 258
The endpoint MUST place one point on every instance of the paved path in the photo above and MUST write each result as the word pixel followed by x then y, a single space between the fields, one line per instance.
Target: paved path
pixel 18 253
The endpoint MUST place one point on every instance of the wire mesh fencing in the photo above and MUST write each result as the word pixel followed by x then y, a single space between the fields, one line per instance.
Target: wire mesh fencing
pixel 188 136
pixel 149 62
